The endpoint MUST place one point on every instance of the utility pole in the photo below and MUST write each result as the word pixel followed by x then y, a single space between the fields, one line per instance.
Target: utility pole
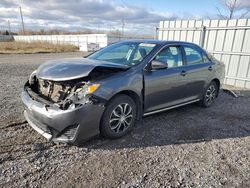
pixel 123 25
pixel 9 27
pixel 22 18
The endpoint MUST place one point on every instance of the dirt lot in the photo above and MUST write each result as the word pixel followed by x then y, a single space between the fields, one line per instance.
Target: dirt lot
pixel 185 147
pixel 18 47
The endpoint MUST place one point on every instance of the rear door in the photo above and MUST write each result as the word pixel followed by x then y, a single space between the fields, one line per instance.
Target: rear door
pixel 165 87
pixel 198 70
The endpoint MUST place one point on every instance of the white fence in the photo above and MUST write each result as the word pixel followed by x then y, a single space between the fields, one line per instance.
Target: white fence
pixel 82 41
pixel 227 40
pixel 86 42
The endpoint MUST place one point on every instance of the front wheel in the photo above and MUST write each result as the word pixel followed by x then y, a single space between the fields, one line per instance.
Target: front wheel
pixel 119 117
pixel 210 95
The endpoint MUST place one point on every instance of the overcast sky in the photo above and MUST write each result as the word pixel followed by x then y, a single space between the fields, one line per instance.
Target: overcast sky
pixel 138 15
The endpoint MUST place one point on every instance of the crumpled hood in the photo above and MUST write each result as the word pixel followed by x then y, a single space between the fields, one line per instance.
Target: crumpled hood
pixel 69 69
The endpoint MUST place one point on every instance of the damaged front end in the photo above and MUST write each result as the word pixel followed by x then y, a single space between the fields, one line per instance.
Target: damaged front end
pixel 59 98
pixel 62 110
pixel 62 94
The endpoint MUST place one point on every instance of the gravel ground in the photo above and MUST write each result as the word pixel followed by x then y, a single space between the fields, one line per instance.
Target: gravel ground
pixel 185 147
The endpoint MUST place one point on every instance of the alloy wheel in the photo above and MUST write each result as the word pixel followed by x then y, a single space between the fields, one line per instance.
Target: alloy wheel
pixel 210 94
pixel 121 117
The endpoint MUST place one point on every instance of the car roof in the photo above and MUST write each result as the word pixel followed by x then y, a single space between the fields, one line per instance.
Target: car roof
pixel 162 42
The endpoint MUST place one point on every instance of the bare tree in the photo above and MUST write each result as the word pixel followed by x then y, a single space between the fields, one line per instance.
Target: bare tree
pixel 231 7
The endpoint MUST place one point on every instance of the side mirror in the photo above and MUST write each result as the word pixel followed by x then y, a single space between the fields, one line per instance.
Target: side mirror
pixel 156 65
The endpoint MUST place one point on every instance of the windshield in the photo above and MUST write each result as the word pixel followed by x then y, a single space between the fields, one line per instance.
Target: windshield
pixel 126 53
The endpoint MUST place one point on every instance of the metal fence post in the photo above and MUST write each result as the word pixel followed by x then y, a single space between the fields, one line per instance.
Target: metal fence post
pixel 203 36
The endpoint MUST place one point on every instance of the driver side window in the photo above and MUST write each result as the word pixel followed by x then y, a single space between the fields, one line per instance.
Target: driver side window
pixel 170 55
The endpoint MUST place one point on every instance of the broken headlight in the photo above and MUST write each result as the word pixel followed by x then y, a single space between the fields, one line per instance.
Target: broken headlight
pixel 80 95
pixel 85 90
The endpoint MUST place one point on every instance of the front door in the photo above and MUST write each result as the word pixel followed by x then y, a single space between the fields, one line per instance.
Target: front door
pixel 165 87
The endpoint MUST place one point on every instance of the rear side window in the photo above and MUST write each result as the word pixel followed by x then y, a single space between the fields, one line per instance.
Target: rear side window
pixel 171 56
pixel 193 56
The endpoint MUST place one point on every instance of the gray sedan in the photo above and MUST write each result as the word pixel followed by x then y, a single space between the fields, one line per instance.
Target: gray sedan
pixel 71 100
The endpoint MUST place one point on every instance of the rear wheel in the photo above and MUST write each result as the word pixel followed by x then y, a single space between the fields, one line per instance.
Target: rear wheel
pixel 119 117
pixel 210 95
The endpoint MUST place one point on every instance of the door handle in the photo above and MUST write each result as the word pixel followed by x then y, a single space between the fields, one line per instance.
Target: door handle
pixel 210 68
pixel 183 73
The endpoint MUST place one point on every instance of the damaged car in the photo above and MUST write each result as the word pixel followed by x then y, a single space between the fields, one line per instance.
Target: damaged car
pixel 107 92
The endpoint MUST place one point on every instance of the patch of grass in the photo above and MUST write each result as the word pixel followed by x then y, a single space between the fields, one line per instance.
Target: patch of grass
pixel 17 47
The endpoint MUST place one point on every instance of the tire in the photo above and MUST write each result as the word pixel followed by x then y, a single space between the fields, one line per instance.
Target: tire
pixel 209 95
pixel 119 117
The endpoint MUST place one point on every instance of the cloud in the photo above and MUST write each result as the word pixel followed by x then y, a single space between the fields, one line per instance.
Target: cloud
pixel 240 4
pixel 6 3
pixel 245 4
pixel 80 14
pixel 77 14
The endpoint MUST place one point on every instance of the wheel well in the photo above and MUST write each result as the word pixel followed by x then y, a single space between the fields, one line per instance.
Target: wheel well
pixel 134 96
pixel 217 81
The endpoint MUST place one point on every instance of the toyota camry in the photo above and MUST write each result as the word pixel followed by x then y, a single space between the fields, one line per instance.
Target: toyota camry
pixel 107 92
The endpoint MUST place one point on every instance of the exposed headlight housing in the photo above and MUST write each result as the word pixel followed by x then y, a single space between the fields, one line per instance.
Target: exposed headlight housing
pixel 86 89
pixel 80 95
